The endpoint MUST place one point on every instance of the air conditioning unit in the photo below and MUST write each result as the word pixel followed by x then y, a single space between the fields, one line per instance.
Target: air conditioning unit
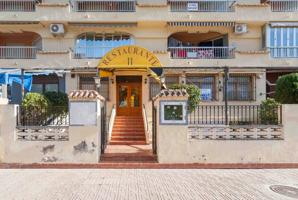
pixel 240 28
pixel 57 29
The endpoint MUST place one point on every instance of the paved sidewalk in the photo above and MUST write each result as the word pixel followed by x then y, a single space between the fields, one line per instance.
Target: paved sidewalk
pixel 52 184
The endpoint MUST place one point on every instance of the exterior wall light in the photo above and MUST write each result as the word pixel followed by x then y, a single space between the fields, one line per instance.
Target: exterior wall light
pixel 145 80
pixel 112 80
pixel 97 81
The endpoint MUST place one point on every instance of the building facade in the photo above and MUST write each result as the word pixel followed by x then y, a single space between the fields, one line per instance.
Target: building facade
pixel 60 43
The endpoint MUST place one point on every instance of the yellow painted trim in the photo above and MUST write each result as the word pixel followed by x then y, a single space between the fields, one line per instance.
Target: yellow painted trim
pixel 132 57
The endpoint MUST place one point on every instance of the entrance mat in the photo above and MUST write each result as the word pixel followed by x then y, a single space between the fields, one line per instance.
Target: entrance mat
pixel 148 166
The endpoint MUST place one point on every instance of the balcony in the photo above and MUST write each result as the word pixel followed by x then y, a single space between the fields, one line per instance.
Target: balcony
pixel 283 5
pixel 18 5
pixel 284 52
pixel 103 6
pixel 202 6
pixel 202 52
pixel 211 45
pixel 19 45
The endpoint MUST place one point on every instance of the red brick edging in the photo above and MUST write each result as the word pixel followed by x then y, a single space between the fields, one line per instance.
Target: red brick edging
pixel 148 166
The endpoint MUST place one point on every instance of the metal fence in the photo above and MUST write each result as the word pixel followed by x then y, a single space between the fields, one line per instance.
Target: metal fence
pixel 202 6
pixel 104 6
pixel 202 52
pixel 18 52
pixel 18 5
pixel 284 52
pixel 235 115
pixel 38 116
pixel 284 5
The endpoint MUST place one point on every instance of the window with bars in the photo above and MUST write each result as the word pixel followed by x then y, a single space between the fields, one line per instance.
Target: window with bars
pixel 240 88
pixel 154 87
pixel 171 80
pixel 87 82
pixel 206 84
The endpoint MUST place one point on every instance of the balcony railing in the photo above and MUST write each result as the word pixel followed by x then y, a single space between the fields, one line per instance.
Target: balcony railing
pixel 202 52
pixel 18 52
pixel 90 52
pixel 284 52
pixel 18 5
pixel 236 115
pixel 283 5
pixel 104 6
pixel 202 6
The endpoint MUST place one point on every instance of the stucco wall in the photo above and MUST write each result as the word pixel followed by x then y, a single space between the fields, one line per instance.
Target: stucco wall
pixel 174 146
pixel 83 145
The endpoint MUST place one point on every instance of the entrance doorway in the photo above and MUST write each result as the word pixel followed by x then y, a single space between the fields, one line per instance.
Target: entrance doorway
pixel 129 95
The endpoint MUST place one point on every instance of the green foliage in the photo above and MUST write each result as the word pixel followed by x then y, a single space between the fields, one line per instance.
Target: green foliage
pixel 35 107
pixel 287 89
pixel 36 100
pixel 193 92
pixel 269 112
pixel 58 99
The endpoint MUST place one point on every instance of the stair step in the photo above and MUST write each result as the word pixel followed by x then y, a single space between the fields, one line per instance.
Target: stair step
pixel 128 142
pixel 128 132
pixel 124 157
pixel 127 139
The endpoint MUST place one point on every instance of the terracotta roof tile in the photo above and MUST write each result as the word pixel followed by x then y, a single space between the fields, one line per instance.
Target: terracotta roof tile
pixel 85 95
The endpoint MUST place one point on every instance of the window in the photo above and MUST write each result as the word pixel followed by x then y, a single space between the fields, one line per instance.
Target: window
pixel 284 42
pixel 38 88
pixel 240 88
pixel 96 45
pixel 87 82
pixel 155 87
pixel 51 88
pixel 171 80
pixel 206 85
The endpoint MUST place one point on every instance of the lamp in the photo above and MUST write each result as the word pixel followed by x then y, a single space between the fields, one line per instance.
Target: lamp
pixel 145 80
pixel 97 81
pixel 112 80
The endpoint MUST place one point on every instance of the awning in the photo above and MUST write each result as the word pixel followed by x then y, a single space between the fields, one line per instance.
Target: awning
pixel 190 24
pixel 130 58
pixel 284 24
pixel 105 25
pixel 8 79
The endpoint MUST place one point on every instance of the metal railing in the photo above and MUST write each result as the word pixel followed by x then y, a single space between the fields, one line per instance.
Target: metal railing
pixel 202 6
pixel 18 52
pixel 38 116
pixel 202 52
pixel 18 5
pixel 103 6
pixel 236 115
pixel 284 5
pixel 284 52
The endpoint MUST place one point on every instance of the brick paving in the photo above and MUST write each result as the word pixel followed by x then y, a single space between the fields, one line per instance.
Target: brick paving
pixel 130 184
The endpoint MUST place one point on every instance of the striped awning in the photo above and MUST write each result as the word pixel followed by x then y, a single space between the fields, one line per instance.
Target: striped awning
pixel 104 25
pixel 187 24
pixel 284 24
pixel 19 22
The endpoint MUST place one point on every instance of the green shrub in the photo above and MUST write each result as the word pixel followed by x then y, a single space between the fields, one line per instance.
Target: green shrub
pixel 287 89
pixel 269 112
pixel 193 92
pixel 59 100
pixel 35 108
pixel 35 100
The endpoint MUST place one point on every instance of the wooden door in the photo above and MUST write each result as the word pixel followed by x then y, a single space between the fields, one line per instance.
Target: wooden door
pixel 129 99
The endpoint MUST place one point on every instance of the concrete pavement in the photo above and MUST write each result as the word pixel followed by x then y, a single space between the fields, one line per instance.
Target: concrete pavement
pixel 52 184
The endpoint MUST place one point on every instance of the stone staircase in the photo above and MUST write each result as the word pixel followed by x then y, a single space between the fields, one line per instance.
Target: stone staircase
pixel 128 130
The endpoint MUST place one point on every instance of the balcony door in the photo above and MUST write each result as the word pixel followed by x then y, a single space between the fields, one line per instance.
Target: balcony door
pixel 129 96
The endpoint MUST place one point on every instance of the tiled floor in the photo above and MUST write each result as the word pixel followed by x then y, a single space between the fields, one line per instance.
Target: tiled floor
pixel 144 184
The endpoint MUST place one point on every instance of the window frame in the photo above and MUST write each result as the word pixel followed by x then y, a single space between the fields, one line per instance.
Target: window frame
pixel 251 90
pixel 214 85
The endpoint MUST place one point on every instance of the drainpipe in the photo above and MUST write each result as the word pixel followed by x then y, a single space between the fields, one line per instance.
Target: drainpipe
pixel 226 72
pixel 22 81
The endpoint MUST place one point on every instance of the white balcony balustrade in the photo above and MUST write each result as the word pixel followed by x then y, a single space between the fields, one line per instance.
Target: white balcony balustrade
pixel 283 5
pixel 202 6
pixel 18 5
pixel 202 52
pixel 18 52
pixel 103 6
pixel 284 52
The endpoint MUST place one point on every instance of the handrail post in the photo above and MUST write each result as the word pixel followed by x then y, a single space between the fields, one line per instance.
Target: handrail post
pixel 226 74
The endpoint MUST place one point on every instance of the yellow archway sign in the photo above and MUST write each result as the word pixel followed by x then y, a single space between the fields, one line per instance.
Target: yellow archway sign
pixel 128 57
